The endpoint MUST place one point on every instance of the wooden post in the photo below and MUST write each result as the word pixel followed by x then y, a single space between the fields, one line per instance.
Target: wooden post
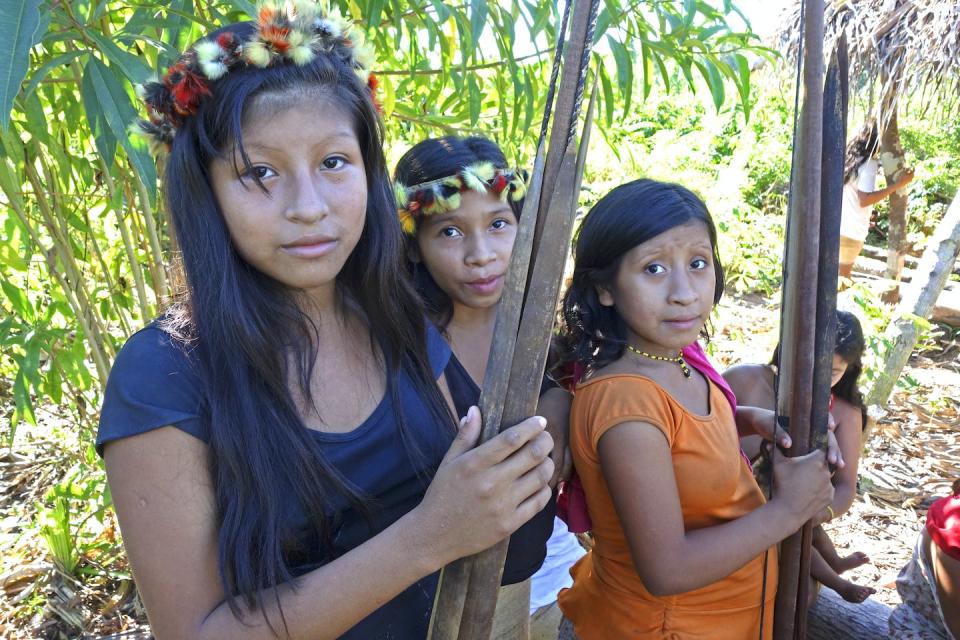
pixel 825 323
pixel 893 163
pixel 931 276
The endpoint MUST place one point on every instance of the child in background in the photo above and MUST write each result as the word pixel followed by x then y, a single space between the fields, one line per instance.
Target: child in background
pixel 929 585
pixel 860 193
pixel 281 450
pixel 460 204
pixel 754 384
pixel 684 541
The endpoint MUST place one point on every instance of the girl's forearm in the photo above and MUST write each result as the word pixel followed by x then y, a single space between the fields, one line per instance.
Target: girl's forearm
pixel 707 555
pixel 329 600
pixel 843 497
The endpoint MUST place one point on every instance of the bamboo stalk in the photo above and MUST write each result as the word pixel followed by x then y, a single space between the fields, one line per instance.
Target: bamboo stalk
pixel 506 396
pixel 455 579
pixel 99 359
pixel 161 287
pixel 64 251
pixel 135 268
pixel 550 249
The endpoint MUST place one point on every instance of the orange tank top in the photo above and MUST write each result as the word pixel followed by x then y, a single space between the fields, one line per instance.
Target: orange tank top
pixel 608 599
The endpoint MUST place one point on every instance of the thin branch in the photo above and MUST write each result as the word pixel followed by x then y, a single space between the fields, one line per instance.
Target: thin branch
pixel 476 67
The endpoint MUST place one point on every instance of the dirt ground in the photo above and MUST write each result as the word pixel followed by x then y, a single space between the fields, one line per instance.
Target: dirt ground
pixel 911 456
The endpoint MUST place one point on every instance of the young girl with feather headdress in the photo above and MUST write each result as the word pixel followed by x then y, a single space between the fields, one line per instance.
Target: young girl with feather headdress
pixel 280 444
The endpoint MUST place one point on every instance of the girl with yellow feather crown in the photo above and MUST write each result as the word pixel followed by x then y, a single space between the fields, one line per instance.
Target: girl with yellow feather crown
pixel 459 204
pixel 281 444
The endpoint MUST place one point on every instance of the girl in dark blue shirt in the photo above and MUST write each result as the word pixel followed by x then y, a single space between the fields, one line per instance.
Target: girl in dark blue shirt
pixel 280 445
pixel 460 204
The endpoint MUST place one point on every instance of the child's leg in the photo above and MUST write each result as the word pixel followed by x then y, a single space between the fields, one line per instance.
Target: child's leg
pixel 823 544
pixel 821 572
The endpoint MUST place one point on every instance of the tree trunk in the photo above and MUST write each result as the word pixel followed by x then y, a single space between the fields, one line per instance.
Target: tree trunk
pixel 893 163
pixel 918 301
pixel 832 617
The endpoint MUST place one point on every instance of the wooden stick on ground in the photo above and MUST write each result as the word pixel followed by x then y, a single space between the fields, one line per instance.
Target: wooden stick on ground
pixel 918 301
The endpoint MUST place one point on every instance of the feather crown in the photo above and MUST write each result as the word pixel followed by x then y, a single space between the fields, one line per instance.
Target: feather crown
pixel 443 194
pixel 294 32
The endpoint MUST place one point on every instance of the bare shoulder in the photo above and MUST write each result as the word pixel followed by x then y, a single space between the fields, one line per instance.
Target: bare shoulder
pixel 752 384
pixel 847 415
pixel 747 373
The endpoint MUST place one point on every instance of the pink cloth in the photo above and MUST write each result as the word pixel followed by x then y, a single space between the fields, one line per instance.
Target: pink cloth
pixel 943 524
pixel 572 501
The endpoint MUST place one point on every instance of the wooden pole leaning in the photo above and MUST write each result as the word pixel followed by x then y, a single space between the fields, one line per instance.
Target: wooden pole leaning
pixel 467 593
pixel 825 326
pixel 797 333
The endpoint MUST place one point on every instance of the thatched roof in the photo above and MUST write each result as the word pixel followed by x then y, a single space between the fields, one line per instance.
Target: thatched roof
pixel 904 48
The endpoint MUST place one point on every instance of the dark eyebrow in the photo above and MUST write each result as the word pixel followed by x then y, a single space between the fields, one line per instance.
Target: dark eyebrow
pixel 325 139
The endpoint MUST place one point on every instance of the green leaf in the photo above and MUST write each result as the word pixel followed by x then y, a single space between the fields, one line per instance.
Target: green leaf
pixel 607 88
pixel 116 113
pixel 743 67
pixel 624 70
pixel 132 67
pixel 443 11
pixel 603 23
pixel 22 402
pixel 18 300
pixel 19 22
pixel 244 6
pixel 714 81
pixel 478 19
pixel 47 67
pixel 690 11
pixel 97 119
pixel 475 99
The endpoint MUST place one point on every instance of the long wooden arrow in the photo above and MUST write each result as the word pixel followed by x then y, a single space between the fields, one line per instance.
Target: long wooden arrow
pixel 467 593
pixel 809 290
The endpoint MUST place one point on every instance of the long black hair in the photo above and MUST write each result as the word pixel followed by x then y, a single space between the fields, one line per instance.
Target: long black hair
pixel 594 335
pixel 432 159
pixel 243 326
pixel 860 149
pixel 850 346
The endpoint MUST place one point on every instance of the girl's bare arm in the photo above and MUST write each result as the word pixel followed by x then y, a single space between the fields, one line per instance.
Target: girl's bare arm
pixel 849 437
pixel 636 462
pixel 165 503
pixel 947 572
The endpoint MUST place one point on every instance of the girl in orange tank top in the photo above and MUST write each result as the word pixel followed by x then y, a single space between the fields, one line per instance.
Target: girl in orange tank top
pixel 684 540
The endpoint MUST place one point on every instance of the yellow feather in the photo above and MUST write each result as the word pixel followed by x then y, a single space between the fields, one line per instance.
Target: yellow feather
pixel 484 170
pixel 472 181
pixel 257 54
pixel 301 55
pixel 407 222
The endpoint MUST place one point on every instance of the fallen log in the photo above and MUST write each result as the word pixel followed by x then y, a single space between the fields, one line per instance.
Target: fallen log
pixel 946 309
pixel 832 617
pixel 918 301
pixel 910 261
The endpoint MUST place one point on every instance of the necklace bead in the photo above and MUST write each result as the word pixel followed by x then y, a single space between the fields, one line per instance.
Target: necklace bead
pixel 678 359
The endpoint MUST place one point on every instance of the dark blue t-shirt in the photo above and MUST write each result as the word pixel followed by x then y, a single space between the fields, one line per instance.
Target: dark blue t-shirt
pixel 528 544
pixel 154 383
